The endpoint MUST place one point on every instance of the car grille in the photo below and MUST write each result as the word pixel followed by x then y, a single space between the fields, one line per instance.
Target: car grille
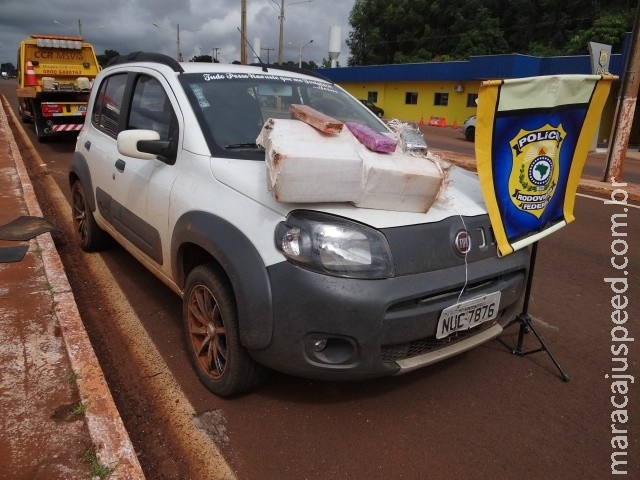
pixel 392 353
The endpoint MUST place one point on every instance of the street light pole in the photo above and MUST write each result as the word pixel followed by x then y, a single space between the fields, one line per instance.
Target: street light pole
pixel 301 47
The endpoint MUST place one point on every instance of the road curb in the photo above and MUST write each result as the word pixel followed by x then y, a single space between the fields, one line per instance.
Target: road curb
pixel 111 441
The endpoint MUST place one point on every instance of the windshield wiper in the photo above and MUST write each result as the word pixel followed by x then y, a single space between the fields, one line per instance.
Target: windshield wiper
pixel 239 146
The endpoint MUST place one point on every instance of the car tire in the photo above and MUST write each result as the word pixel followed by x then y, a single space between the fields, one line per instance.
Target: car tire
pixel 470 134
pixel 210 323
pixel 90 236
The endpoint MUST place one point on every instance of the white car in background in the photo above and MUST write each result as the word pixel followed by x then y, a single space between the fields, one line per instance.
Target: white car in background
pixel 468 128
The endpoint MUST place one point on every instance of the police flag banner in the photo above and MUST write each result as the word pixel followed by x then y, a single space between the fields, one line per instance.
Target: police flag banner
pixel 532 139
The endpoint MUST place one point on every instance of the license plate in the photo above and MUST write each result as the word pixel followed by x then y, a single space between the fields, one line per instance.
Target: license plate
pixel 468 314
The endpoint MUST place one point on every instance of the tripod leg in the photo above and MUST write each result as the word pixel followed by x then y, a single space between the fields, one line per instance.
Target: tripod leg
pixel 525 322
pixel 563 374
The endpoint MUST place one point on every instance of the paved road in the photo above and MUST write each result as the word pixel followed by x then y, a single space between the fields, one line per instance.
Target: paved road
pixel 451 140
pixel 485 414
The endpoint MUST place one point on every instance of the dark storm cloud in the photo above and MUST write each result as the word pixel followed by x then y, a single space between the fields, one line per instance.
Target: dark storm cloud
pixel 127 25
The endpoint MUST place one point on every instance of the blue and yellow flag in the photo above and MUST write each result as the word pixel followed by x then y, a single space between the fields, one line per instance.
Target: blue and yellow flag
pixel 532 139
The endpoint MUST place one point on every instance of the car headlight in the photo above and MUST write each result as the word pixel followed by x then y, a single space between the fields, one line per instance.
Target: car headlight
pixel 334 246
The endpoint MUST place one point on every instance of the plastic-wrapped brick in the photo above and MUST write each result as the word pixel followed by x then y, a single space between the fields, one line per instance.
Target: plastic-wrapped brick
pixel 316 119
pixel 374 141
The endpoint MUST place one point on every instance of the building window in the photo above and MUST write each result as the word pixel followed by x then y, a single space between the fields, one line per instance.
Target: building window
pixel 441 99
pixel 411 98
pixel 472 100
pixel 372 97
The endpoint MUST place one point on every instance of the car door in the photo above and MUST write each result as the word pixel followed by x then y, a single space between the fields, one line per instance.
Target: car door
pixel 133 194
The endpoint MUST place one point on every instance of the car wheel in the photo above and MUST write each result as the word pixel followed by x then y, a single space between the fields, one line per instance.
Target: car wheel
pixel 90 236
pixel 380 114
pixel 470 134
pixel 213 341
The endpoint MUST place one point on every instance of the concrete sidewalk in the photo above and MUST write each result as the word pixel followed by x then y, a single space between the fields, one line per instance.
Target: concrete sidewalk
pixel 57 417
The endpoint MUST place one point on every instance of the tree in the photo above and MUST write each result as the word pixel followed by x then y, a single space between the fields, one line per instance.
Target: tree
pixel 403 31
pixel 204 59
pixel 326 63
pixel 485 38
pixel 608 30
pixel 108 55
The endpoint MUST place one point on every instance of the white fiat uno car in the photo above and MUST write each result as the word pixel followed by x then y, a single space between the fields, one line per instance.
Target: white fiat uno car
pixel 167 164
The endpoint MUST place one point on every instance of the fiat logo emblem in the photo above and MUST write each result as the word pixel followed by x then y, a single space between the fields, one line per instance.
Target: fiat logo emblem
pixel 462 242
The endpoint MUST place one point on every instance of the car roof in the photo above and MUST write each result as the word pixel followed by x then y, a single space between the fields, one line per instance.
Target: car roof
pixel 206 67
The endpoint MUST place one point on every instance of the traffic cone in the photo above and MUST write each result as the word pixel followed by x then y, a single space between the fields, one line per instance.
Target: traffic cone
pixel 421 120
pixel 455 124
pixel 30 79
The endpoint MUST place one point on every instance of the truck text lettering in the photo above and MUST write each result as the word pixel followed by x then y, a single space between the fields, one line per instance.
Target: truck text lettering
pixel 49 54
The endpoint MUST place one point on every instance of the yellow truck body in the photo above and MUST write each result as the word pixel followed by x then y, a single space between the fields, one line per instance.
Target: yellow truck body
pixel 55 76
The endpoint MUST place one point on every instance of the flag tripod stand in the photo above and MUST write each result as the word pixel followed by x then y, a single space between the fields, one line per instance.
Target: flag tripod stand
pixel 524 319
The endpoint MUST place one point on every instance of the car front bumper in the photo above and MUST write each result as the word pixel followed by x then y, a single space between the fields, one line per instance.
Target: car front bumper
pixel 335 328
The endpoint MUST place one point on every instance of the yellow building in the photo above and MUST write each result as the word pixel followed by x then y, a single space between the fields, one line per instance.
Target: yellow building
pixel 446 92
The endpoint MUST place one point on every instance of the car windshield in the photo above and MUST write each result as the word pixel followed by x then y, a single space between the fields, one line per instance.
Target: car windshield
pixel 232 108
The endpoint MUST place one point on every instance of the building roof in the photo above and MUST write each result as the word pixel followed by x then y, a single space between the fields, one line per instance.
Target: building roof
pixel 474 69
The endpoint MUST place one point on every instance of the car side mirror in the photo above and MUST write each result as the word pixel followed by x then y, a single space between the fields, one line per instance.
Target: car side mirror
pixel 146 145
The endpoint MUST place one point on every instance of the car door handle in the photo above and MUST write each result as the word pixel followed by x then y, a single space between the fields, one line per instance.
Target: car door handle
pixel 120 164
pixel 87 145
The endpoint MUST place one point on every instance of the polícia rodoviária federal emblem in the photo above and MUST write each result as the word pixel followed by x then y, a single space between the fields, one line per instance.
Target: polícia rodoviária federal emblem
pixel 535 168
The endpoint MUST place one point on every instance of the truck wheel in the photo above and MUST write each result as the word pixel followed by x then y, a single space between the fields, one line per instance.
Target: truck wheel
pixel 211 329
pixel 23 117
pixel 42 138
pixel 90 236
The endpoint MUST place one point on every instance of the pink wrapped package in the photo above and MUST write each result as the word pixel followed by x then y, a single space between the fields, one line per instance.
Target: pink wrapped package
pixel 371 139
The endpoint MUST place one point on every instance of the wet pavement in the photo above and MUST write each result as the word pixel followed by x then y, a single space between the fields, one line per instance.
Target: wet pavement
pixel 57 416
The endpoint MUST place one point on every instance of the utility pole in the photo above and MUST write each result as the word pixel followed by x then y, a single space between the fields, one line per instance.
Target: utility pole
pixel 179 53
pixel 267 49
pixel 215 53
pixel 281 17
pixel 626 107
pixel 243 27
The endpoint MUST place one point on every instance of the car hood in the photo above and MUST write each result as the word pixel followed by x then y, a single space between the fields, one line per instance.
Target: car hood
pixel 459 195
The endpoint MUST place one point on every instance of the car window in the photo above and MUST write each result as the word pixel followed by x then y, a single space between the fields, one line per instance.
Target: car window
pixel 151 108
pixel 232 112
pixel 108 104
pixel 232 108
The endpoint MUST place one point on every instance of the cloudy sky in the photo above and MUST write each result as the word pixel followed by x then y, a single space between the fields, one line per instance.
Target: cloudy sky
pixel 205 25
